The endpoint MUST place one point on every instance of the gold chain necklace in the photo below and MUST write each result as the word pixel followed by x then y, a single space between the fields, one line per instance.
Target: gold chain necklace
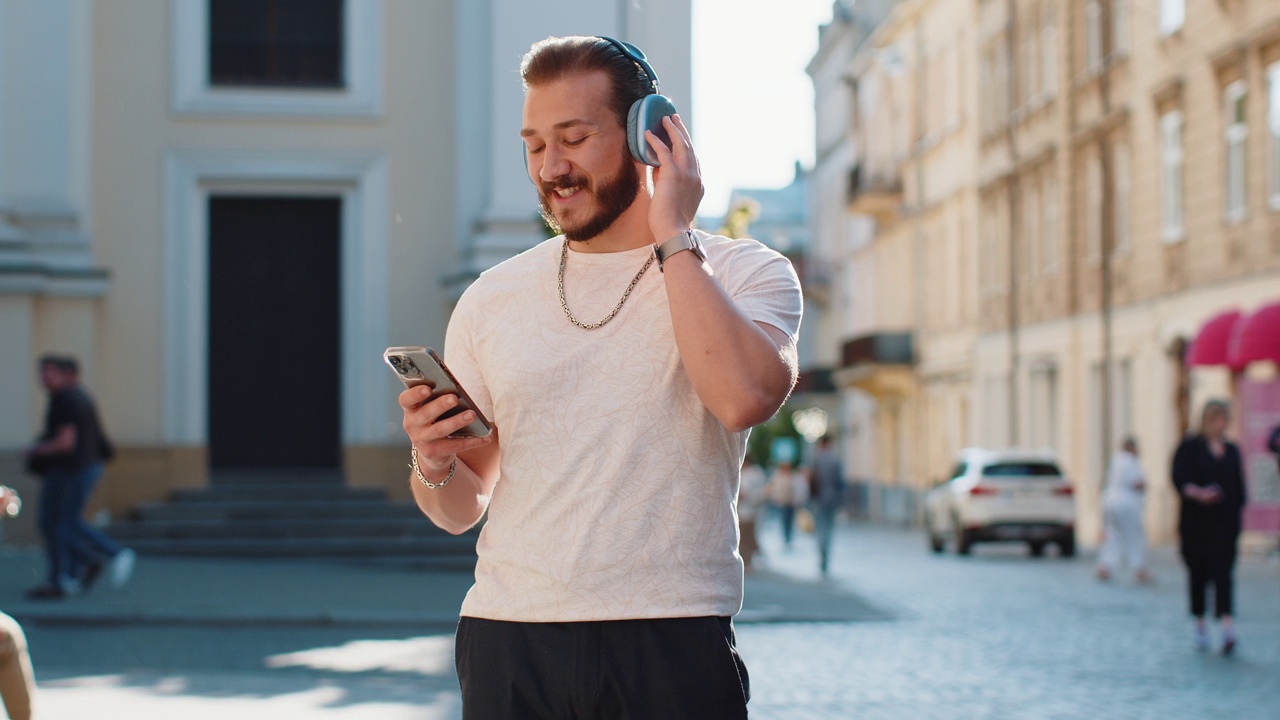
pixel 564 255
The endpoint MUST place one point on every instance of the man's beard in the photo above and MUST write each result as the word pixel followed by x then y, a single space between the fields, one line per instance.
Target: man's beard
pixel 613 198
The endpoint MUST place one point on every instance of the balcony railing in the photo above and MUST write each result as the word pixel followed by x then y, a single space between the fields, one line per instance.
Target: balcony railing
pixel 877 193
pixel 889 348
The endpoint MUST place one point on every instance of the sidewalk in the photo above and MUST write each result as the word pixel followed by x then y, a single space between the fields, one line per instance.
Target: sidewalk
pixel 202 591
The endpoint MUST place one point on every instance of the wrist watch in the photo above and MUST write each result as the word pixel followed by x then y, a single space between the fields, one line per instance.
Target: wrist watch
pixel 687 240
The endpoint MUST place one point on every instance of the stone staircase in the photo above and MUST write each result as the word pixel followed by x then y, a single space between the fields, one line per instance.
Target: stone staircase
pixel 299 514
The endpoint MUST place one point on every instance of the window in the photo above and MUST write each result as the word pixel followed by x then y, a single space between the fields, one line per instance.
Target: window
pixel 1093 36
pixel 1171 160
pixel 1029 67
pixel 1031 227
pixel 1044 407
pixel 1236 136
pixel 1120 27
pixel 1093 206
pixel 1121 180
pixel 1173 13
pixel 281 58
pixel 1049 231
pixel 1049 54
pixel 1022 469
pixel 1273 132
pixel 276 43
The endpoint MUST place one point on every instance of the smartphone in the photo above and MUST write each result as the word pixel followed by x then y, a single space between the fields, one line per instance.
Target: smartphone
pixel 416 365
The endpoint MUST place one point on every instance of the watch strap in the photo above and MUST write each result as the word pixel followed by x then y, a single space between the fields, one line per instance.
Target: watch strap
pixel 686 240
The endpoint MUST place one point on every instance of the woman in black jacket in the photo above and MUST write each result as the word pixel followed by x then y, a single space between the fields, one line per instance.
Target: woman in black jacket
pixel 1209 475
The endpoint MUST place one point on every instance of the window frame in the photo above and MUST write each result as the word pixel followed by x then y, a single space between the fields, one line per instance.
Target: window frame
pixel 1273 134
pixel 1173 159
pixel 1122 181
pixel 1236 146
pixel 192 92
pixel 1094 50
pixel 1049 225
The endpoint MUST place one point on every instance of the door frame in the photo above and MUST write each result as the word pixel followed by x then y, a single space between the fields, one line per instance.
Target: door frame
pixel 361 183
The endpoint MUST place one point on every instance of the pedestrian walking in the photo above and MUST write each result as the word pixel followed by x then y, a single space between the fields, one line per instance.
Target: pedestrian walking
pixel 1124 540
pixel 17 680
pixel 1273 444
pixel 827 488
pixel 1209 477
pixel 751 491
pixel 69 457
pixel 608 569
pixel 788 491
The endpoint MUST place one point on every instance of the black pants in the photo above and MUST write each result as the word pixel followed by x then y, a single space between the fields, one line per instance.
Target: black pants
pixel 1206 569
pixel 668 669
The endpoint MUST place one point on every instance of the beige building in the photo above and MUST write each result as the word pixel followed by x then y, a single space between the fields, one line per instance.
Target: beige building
pixel 1114 187
pixel 227 218
pixel 907 350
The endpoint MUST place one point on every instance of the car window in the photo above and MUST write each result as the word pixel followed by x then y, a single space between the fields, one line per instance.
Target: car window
pixel 960 470
pixel 1022 469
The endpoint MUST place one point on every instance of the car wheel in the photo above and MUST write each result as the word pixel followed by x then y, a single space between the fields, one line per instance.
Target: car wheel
pixel 1036 547
pixel 1067 547
pixel 964 539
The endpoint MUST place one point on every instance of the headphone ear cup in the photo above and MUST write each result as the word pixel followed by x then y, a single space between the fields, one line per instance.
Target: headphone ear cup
pixel 646 114
pixel 635 135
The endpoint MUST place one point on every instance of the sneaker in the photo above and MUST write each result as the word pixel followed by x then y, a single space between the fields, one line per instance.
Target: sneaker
pixel 54 591
pixel 1228 644
pixel 120 567
pixel 90 576
pixel 1202 640
pixel 47 591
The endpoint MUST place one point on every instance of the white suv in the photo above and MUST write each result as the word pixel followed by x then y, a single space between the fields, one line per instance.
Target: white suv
pixel 1003 495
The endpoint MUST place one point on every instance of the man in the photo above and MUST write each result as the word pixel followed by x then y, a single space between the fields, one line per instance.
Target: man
pixel 69 457
pixel 1124 538
pixel 608 570
pixel 1273 444
pixel 826 474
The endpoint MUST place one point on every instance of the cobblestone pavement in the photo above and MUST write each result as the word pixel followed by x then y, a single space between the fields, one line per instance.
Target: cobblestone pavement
pixel 1003 635
pixel 996 635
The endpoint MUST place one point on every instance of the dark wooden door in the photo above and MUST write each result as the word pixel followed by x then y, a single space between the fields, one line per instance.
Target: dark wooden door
pixel 274 332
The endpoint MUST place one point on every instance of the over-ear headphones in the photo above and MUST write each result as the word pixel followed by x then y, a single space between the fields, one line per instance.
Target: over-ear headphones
pixel 645 113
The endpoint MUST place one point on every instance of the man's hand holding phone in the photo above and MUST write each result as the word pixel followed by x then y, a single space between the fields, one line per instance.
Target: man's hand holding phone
pixel 430 433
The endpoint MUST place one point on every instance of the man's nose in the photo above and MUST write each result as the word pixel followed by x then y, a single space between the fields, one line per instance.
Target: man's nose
pixel 554 164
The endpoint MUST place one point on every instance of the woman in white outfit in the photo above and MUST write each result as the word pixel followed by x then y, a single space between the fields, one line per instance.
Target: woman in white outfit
pixel 1124 539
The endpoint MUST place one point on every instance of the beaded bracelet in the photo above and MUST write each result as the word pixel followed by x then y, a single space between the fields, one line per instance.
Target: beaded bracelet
pixel 413 455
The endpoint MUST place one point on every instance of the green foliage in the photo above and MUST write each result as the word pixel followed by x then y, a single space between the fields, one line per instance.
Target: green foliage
pixel 760 444
pixel 737 223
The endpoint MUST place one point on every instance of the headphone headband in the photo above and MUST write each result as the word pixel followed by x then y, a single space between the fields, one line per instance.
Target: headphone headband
pixel 636 55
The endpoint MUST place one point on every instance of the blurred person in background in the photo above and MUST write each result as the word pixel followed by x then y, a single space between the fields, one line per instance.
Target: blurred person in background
pixel 750 500
pixel 826 489
pixel 1124 540
pixel 788 490
pixel 70 457
pixel 1209 476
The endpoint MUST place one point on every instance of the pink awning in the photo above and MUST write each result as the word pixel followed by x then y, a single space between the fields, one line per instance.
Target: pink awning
pixel 1256 338
pixel 1211 344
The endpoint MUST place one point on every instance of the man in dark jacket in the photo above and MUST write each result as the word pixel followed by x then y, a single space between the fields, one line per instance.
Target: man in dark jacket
pixel 827 490
pixel 1209 475
pixel 69 458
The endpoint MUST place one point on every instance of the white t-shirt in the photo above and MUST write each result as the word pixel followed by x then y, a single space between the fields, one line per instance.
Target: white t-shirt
pixel 617 486
pixel 1125 481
